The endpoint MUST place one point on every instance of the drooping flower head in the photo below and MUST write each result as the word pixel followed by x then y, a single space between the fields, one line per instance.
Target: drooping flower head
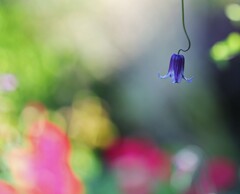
pixel 176 69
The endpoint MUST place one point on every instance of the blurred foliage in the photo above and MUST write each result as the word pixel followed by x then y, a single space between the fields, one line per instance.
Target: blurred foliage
pixel 40 71
pixel 224 50
pixel 38 82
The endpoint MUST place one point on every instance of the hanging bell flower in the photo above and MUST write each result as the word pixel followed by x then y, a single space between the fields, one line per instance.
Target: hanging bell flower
pixel 176 66
pixel 176 69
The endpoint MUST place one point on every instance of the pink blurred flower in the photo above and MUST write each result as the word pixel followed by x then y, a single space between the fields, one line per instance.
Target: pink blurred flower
pixel 139 165
pixel 222 173
pixel 44 167
pixel 5 188
pixel 219 174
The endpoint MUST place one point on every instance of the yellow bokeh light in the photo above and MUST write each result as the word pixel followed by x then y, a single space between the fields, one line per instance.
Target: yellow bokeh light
pixel 91 124
pixel 233 42
pixel 226 49
pixel 232 11
pixel 220 51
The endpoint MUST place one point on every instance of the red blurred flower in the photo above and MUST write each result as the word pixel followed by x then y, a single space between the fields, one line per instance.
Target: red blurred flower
pixel 139 165
pixel 6 188
pixel 44 167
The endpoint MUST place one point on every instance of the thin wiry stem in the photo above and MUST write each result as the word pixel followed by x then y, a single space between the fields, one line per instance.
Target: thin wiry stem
pixel 185 31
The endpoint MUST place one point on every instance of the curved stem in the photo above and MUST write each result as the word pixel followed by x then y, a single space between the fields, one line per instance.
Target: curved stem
pixel 185 31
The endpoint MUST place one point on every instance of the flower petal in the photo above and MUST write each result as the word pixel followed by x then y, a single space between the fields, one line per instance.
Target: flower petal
pixel 189 80
pixel 163 76
pixel 45 168
pixel 5 188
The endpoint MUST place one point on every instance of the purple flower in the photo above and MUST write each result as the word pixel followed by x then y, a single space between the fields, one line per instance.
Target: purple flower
pixel 8 82
pixel 176 69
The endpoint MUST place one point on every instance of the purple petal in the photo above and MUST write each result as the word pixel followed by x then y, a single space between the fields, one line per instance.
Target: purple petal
pixel 189 80
pixel 164 76
pixel 176 79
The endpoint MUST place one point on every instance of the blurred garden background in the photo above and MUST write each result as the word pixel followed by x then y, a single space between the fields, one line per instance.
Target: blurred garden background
pixel 82 110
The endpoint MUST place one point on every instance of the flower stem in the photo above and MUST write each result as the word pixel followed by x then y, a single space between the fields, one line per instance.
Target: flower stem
pixel 185 31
